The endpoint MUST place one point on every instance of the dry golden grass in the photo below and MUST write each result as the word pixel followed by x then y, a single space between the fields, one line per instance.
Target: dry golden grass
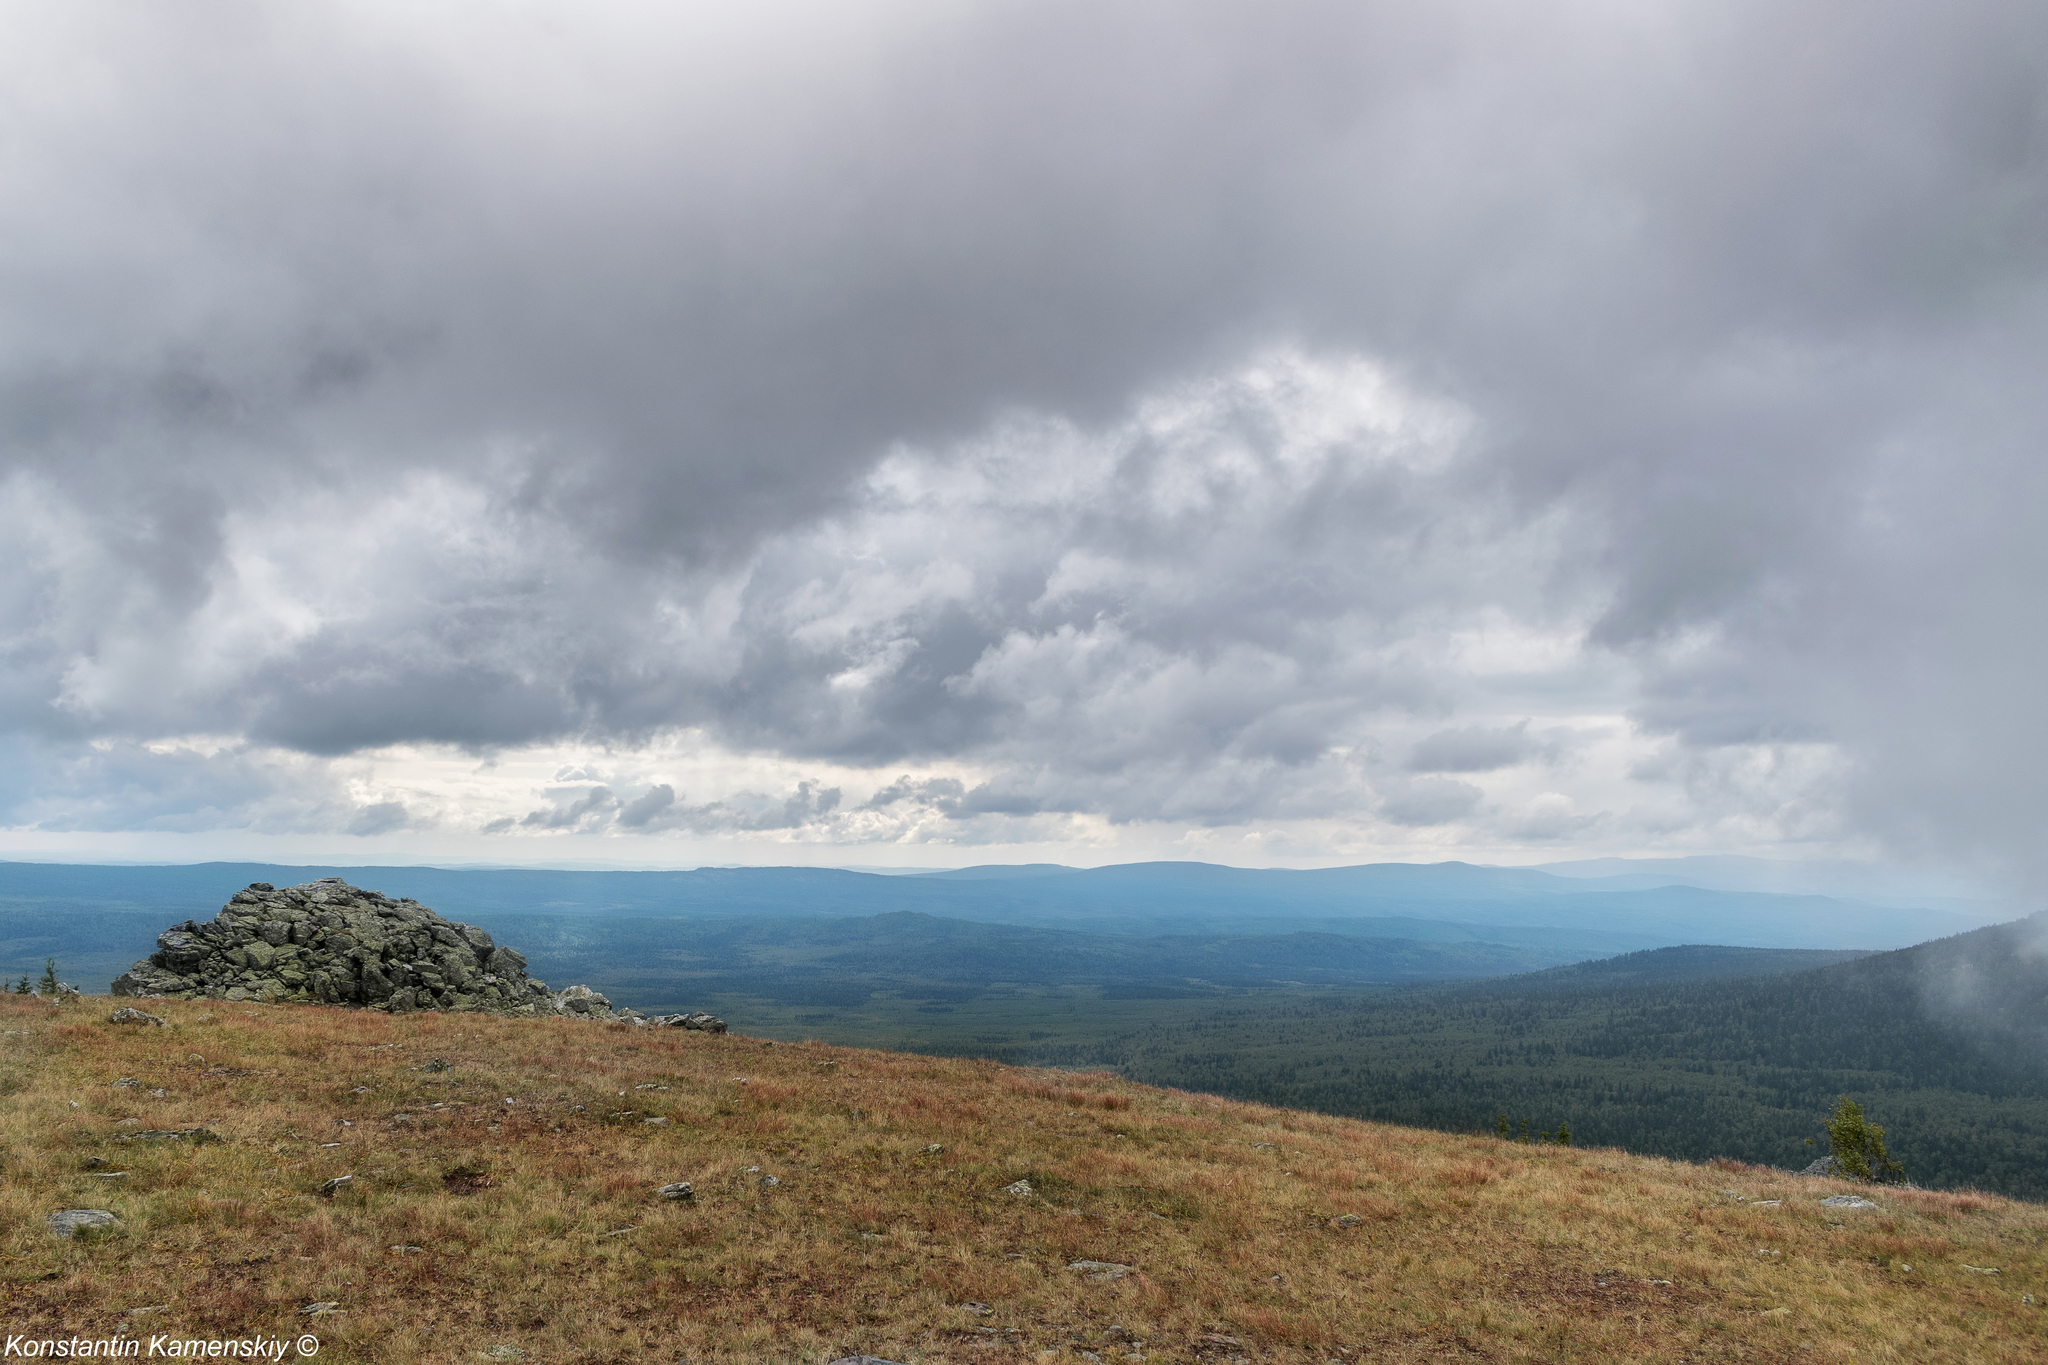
pixel 514 1171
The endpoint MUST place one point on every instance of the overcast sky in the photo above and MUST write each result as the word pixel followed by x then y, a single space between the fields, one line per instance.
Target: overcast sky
pixel 933 432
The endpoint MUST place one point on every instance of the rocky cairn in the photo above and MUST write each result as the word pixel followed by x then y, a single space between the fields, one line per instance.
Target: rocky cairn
pixel 330 943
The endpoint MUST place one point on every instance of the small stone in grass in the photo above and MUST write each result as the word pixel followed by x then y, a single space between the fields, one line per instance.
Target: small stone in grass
pixel 1022 1189
pixel 320 1309
pixel 1100 1272
pixel 66 1222
pixel 330 1187
pixel 1846 1201
pixel 680 1190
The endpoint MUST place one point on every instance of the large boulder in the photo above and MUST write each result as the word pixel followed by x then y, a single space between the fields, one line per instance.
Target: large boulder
pixel 327 942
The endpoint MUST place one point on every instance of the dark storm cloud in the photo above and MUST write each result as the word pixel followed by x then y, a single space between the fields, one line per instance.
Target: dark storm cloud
pixel 477 377
pixel 1471 749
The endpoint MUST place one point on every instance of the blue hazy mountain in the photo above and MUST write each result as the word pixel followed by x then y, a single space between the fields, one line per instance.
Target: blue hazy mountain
pixel 96 919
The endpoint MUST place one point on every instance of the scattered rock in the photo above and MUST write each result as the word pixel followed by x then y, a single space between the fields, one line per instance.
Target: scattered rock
pixel 126 1083
pixel 581 1000
pixel 1021 1188
pixel 1768 1204
pixel 863 1360
pixel 934 1149
pixel 1826 1166
pixel 1983 1270
pixel 404 1247
pixel 657 1122
pixel 1347 1220
pixel 676 1192
pixel 1099 1272
pixel 327 942
pixel 1846 1201
pixel 66 1222
pixel 329 1188
pixel 320 1309
pixel 128 1014
pixel 769 1182
pixel 981 1308
pixel 195 1135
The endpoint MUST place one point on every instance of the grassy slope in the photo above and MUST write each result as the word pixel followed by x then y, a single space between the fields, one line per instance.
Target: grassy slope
pixel 1657 1052
pixel 1463 1247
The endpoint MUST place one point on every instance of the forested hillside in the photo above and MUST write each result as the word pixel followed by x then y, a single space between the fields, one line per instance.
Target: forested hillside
pixel 1941 1043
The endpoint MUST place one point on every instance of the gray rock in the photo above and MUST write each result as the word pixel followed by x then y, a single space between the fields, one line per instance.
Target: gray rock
pixel 330 1188
pixel 1099 1272
pixel 863 1360
pixel 1021 1188
pixel 326 942
pixel 193 1135
pixel 1826 1166
pixel 66 1222
pixel 701 1022
pixel 1846 1201
pixel 676 1192
pixel 128 1014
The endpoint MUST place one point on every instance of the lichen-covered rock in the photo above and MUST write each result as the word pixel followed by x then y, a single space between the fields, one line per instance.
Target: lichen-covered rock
pixel 330 943
pixel 66 1222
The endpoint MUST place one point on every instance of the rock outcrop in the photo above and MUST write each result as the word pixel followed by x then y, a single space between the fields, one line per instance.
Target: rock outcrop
pixel 327 942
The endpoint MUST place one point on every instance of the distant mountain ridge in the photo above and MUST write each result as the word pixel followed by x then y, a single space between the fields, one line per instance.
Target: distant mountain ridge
pixel 42 904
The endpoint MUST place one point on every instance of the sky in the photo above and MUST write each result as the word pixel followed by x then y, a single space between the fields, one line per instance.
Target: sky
pixel 929 433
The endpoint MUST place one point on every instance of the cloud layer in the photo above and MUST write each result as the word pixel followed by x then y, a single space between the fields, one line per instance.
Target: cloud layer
pixel 1349 424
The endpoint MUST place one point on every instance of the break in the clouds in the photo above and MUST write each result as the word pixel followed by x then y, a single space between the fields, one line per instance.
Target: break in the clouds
pixel 1333 427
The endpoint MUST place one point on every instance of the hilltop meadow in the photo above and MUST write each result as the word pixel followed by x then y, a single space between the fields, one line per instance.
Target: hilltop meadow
pixel 500 1203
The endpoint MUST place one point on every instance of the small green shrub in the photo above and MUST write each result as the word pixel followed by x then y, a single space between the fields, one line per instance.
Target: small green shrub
pixel 1857 1146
